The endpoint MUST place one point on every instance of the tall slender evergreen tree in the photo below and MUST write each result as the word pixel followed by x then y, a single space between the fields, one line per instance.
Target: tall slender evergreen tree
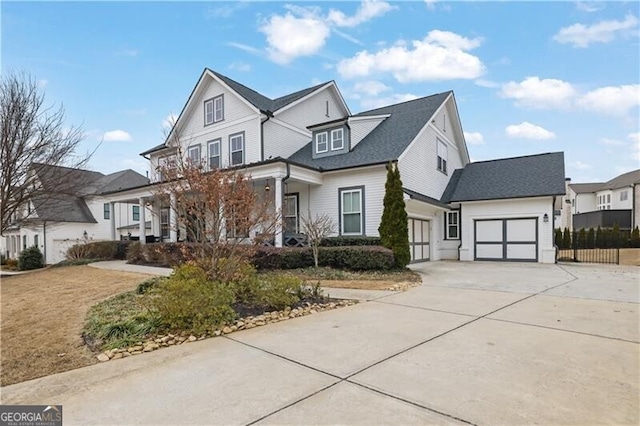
pixel 394 226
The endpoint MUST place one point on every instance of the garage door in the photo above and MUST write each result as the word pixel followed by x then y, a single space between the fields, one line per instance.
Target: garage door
pixel 507 239
pixel 419 239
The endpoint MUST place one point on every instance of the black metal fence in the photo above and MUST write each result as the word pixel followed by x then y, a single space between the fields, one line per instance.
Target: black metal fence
pixel 593 255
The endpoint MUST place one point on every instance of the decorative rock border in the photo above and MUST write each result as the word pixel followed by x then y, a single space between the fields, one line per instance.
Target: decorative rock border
pixel 167 340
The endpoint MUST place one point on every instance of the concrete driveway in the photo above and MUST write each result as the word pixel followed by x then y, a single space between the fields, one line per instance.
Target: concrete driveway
pixel 477 343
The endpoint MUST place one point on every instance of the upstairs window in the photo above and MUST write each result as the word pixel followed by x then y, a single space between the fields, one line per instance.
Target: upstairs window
pixel 624 196
pixel 107 210
pixel 322 142
pixel 236 145
pixel 442 156
pixel 452 225
pixel 135 213
pixel 337 139
pixel 193 155
pixel 214 110
pixel 214 154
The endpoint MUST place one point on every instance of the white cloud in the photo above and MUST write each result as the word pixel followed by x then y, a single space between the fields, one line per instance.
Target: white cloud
pixel 634 137
pixel 580 35
pixel 486 83
pixel 289 36
pixel 612 100
pixel 536 93
pixel 431 4
pixel 526 130
pixel 589 6
pixel 635 145
pixel 612 142
pixel 169 121
pixel 371 87
pixel 225 10
pixel 244 47
pixel 117 136
pixel 579 165
pixel 441 55
pixel 372 103
pixel 368 10
pixel 474 138
pixel 240 66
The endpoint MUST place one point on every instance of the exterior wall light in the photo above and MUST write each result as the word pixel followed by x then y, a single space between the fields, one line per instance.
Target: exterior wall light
pixel 545 218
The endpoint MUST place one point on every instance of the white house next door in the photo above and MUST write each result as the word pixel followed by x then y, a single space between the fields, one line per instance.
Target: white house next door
pixel 419 240
pixel 506 239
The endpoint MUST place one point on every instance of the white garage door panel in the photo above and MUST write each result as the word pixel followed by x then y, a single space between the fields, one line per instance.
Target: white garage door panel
pixel 521 251
pixel 521 230
pixel 489 230
pixel 419 239
pixel 506 239
pixel 489 251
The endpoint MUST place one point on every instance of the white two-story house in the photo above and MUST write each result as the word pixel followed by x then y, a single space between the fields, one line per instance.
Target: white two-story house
pixel 308 152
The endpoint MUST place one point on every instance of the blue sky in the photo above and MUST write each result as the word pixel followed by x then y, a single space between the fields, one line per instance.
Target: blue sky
pixel 528 77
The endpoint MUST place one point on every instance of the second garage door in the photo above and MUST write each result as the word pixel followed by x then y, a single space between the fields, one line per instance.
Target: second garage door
pixel 506 239
pixel 419 239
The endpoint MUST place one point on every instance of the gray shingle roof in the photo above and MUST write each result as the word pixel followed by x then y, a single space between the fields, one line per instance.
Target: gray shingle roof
pixel 519 177
pixel 64 189
pixel 626 179
pixel 581 188
pixel 386 142
pixel 262 102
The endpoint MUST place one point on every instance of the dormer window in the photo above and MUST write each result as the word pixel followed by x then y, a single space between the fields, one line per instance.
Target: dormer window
pixel 214 110
pixel 322 142
pixel 337 139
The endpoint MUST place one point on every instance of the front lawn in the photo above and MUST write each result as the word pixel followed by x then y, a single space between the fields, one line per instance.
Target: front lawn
pixel 43 314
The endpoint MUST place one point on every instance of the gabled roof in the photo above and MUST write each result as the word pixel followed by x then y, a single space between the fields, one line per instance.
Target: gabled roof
pixel 626 179
pixel 64 189
pixel 384 143
pixel 518 177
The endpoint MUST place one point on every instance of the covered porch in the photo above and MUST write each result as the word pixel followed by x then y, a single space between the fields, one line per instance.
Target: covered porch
pixel 285 186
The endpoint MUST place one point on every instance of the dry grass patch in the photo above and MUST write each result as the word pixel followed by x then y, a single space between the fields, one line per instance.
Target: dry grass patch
pixel 43 314
pixel 361 280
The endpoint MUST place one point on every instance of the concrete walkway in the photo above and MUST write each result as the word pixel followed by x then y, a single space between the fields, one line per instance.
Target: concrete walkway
pixel 477 343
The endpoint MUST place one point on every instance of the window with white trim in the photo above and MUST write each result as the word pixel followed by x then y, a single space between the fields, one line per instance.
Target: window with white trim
pixel 213 148
pixel 35 240
pixel 236 145
pixel 322 142
pixel 214 110
pixel 337 139
pixel 442 156
pixel 135 213
pixel 193 155
pixel 106 211
pixel 604 202
pixel 351 212
pixel 290 213
pixel 453 225
pixel 624 196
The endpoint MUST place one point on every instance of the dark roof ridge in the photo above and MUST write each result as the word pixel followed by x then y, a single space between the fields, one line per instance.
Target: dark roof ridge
pixel 403 102
pixel 238 83
pixel 312 88
pixel 65 167
pixel 514 158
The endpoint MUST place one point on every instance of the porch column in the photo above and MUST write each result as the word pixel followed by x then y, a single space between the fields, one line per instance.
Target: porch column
pixel 155 218
pixel 278 205
pixel 173 218
pixel 143 222
pixel 112 218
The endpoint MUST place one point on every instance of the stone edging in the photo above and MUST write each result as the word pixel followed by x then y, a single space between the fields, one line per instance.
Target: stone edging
pixel 241 324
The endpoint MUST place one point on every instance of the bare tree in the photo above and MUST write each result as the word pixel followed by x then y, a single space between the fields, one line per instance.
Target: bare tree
pixel 33 136
pixel 219 211
pixel 317 228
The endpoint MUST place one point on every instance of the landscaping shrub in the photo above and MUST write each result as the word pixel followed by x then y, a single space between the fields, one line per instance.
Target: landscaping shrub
pixel 12 264
pixel 358 258
pixel 558 238
pixel 161 254
pixel 635 238
pixel 30 258
pixel 103 250
pixel 350 241
pixel 267 291
pixel 282 258
pixel 393 229
pixel 566 239
pixel 3 259
pixel 147 285
pixel 188 301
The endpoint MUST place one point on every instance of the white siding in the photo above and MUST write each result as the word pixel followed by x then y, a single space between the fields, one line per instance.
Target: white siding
pixel 584 203
pixel 418 164
pixel 442 121
pixel 361 128
pixel 281 141
pixel 325 198
pixel 313 110
pixel 616 204
pixel 511 208
pixel 440 248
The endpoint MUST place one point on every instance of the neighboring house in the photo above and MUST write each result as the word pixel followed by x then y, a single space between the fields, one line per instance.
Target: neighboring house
pixel 68 206
pixel 311 155
pixel 589 205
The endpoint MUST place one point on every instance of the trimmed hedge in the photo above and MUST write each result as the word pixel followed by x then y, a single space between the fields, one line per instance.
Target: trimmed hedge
pixel 350 241
pixel 30 258
pixel 102 250
pixel 264 258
